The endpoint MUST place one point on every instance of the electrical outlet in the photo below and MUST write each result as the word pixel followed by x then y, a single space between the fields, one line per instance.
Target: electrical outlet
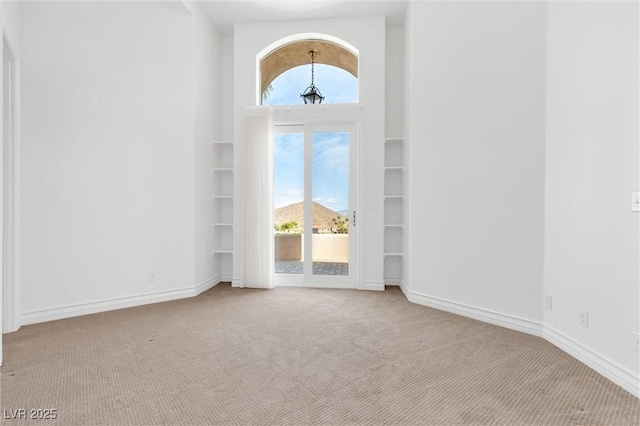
pixel 636 341
pixel 635 201
pixel 548 302
pixel 152 276
pixel 583 318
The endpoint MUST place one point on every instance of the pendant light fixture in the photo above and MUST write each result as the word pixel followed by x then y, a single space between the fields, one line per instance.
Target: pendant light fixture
pixel 312 95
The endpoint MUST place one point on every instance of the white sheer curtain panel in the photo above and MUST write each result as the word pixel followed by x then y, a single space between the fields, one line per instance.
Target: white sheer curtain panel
pixel 258 212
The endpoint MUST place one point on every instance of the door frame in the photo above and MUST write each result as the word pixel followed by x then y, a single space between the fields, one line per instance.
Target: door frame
pixel 323 118
pixel 9 321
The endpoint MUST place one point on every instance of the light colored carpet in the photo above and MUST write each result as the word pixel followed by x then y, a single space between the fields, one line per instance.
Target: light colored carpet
pixel 299 356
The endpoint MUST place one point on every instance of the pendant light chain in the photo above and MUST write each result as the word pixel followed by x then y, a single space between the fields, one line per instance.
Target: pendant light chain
pixel 313 56
pixel 312 95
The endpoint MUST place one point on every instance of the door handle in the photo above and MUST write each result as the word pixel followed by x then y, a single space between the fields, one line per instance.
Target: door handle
pixel 354 219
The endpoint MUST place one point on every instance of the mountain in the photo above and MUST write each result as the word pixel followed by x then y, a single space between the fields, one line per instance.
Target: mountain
pixel 322 216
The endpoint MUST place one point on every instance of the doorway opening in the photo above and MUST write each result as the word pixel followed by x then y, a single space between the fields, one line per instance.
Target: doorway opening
pixel 315 208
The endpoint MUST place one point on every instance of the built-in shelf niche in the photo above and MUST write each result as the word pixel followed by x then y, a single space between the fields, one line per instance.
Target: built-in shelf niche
pixel 394 200
pixel 223 207
pixel 223 182
pixel 223 154
pixel 223 210
pixel 393 153
pixel 223 237
pixel 393 239
pixel 393 210
pixel 392 270
pixel 393 181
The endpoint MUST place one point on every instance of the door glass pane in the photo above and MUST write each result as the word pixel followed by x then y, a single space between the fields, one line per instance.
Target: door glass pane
pixel 288 186
pixel 330 195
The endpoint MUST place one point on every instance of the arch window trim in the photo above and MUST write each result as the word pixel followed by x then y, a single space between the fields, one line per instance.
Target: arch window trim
pixel 292 51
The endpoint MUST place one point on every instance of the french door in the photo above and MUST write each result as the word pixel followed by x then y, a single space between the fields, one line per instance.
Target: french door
pixel 315 216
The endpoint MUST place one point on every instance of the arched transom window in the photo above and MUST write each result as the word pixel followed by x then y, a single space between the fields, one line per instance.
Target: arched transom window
pixel 285 73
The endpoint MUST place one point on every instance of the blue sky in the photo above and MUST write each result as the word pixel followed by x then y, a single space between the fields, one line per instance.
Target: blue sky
pixel 288 168
pixel 335 84
pixel 330 171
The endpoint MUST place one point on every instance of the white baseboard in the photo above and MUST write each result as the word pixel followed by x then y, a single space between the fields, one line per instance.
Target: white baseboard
pixel 610 369
pixel 237 282
pixel 207 284
pixel 600 363
pixel 371 285
pixel 492 317
pixel 51 314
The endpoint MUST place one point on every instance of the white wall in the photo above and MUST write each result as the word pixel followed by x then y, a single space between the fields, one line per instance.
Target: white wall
pixel 394 96
pixel 476 133
pixel 367 34
pixel 11 22
pixel 226 97
pixel 592 254
pixel 407 116
pixel 107 155
pixel 522 122
pixel 207 93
